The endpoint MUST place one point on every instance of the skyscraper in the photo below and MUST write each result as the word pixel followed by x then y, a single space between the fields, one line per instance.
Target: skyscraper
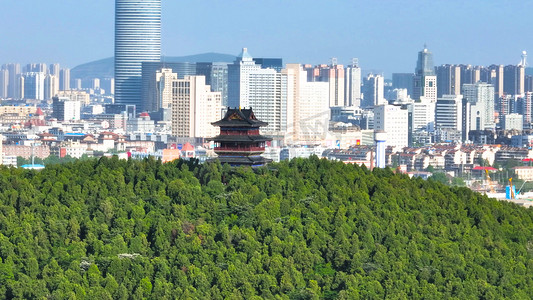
pixel 449 117
pixel 394 120
pixel 4 83
pixel 373 91
pixel 448 80
pixel 164 79
pixel 64 79
pixel 13 87
pixel 335 76
pixel 137 39
pixel 194 107
pixel 513 80
pixel 238 79
pixel 149 84
pixel 481 97
pixel 403 81
pixel 34 85
pixel 216 75
pixel 425 81
pixel 352 84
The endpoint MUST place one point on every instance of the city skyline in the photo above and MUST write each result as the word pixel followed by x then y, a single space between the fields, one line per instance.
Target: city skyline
pixel 384 36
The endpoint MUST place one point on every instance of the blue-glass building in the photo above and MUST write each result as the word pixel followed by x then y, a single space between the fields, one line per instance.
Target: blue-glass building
pixel 137 40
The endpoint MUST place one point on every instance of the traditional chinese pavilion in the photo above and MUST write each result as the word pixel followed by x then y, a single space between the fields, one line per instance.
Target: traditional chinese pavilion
pixel 239 142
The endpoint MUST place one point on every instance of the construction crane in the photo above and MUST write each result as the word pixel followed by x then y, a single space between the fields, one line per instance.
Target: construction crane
pixel 511 190
pixel 513 194
pixel 489 182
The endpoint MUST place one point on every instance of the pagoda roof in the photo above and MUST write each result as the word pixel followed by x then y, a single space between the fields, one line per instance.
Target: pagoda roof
pixel 240 138
pixel 237 117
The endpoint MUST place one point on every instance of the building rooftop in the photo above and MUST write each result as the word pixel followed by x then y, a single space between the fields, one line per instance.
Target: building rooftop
pixel 237 117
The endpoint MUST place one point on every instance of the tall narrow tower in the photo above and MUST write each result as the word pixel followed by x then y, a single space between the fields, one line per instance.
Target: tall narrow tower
pixel 137 39
pixel 425 81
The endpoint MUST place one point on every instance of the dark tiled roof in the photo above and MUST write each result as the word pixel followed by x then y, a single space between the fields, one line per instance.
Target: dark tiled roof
pixel 236 117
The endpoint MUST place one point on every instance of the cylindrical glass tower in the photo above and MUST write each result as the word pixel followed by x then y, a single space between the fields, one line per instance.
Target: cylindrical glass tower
pixel 137 39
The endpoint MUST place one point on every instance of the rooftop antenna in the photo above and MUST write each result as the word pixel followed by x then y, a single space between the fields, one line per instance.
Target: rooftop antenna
pixel 355 62
pixel 333 61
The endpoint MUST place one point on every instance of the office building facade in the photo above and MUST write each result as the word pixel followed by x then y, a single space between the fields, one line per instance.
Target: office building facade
pixel 194 108
pixel 149 84
pixel 394 121
pixel 352 85
pixel 481 98
pixel 425 81
pixel 137 40
pixel 373 91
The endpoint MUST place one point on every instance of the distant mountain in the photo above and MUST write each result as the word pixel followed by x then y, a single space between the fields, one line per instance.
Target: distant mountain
pixel 529 71
pixel 104 68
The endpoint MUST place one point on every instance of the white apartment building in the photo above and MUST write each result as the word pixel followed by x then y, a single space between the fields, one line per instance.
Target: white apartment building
pixel 164 79
pixel 238 81
pixel 308 116
pixel 194 108
pixel 481 97
pixel 82 96
pixel 394 120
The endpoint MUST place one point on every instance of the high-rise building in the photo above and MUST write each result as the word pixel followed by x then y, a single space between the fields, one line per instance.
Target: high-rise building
pixel 137 40
pixel 527 108
pixel 108 84
pixel 36 68
pixel 13 88
pixel 269 63
pixel 238 79
pixel 34 85
pixel 513 80
pixel 64 79
pixel 394 120
pixel 149 84
pixel 4 83
pixel 51 86
pixel 335 76
pixel 373 91
pixel 65 109
pixel 267 91
pixel 352 84
pixel 194 108
pixel 481 98
pixel 448 80
pixel 95 83
pixel 421 121
pixel 164 79
pixel 403 81
pixel 54 69
pixel 528 83
pixel 513 122
pixel 308 118
pixel 216 75
pixel 81 96
pixel 425 81
pixel 469 74
pixel 448 118
pixel 496 79
pixel 270 95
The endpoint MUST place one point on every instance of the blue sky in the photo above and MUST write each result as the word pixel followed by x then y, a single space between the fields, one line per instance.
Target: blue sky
pixel 384 35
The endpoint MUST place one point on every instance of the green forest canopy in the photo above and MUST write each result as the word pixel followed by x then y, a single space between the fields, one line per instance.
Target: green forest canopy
pixel 303 229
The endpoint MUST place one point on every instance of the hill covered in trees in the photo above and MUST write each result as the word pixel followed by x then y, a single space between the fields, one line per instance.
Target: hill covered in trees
pixel 304 229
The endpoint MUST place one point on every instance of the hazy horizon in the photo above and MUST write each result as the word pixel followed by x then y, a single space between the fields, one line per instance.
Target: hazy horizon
pixel 384 36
